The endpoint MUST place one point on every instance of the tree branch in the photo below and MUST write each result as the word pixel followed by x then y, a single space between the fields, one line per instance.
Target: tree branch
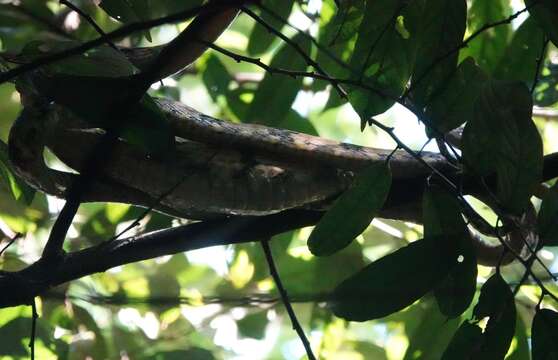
pixel 21 287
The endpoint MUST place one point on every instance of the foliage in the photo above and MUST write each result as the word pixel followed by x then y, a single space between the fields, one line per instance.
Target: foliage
pixel 391 289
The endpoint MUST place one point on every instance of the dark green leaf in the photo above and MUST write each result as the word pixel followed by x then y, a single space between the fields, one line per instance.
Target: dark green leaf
pixel 216 77
pixel 149 128
pixel 384 54
pixel 442 217
pixel 393 282
pixel 488 47
pixel 497 302
pixel 128 11
pixel 545 13
pixel 351 214
pixel 260 37
pixel 519 61
pixel 548 218
pixel 277 92
pixel 166 7
pixel 19 189
pixel 501 138
pixel 455 104
pixel 442 31
pixel 467 338
pixel 295 122
pixel 544 335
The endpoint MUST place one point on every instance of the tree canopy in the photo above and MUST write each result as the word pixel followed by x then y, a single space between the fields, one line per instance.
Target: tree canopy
pixel 278 179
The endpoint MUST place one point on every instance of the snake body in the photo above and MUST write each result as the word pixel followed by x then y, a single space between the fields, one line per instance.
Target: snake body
pixel 220 168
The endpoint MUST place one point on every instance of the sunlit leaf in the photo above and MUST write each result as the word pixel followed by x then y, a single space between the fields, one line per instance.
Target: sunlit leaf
pixel 19 189
pixel 520 345
pixel 393 282
pixel 425 343
pixel 253 325
pixel 384 54
pixel 216 77
pixel 260 37
pixel 488 47
pixel 277 92
pixel 351 214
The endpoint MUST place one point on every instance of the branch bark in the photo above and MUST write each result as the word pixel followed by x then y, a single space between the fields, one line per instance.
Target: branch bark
pixel 20 287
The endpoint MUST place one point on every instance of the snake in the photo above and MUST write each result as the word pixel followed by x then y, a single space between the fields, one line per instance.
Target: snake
pixel 220 168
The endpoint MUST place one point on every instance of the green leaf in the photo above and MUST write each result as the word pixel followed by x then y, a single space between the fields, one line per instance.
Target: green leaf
pixel 455 104
pixel 261 38
pixel 548 218
pixel 161 8
pixel 464 341
pixel 384 54
pixel 442 217
pixel 443 29
pixel 352 212
pixel 545 13
pixel 546 92
pixel 488 47
pixel 19 189
pixel 544 335
pixel 393 282
pixel 149 128
pixel 501 138
pixel 277 92
pixel 253 325
pixel 497 302
pixel 519 61
pixel 93 84
pixel 100 61
pixel 521 348
pixel 128 11
pixel 216 77
pixel 337 33
pixel 424 343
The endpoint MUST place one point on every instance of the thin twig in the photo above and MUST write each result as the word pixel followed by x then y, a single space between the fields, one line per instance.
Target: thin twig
pixel 316 43
pixel 51 26
pixel 34 317
pixel 294 73
pixel 285 298
pixel 298 49
pixel 12 240
pixel 119 33
pixel 540 61
pixel 158 200
pixel 89 19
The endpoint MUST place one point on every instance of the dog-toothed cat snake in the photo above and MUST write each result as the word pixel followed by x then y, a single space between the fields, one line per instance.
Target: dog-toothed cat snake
pixel 220 168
